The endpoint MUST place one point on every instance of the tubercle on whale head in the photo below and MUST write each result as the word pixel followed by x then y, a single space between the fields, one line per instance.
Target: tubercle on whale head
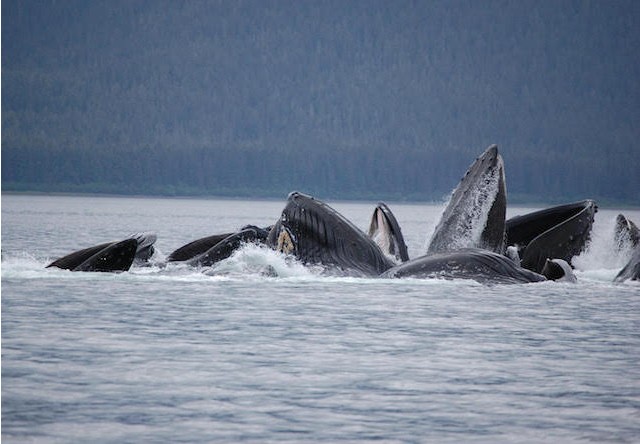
pixel 295 195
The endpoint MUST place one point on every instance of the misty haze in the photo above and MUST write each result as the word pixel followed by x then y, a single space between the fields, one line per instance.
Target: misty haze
pixel 357 99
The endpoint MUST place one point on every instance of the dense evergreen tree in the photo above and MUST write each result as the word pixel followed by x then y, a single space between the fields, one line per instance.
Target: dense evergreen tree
pixel 373 99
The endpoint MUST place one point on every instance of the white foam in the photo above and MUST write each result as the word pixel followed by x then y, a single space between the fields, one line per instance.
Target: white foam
pixel 601 252
pixel 259 260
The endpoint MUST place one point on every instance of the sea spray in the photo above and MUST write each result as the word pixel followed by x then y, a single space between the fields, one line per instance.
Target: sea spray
pixel 259 260
pixel 603 252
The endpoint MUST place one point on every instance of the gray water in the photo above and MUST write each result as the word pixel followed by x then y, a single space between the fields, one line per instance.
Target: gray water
pixel 226 355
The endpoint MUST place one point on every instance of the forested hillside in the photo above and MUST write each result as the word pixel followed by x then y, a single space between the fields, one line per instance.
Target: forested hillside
pixel 343 99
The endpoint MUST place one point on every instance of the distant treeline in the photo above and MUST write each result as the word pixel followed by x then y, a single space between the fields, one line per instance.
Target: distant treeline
pixel 347 99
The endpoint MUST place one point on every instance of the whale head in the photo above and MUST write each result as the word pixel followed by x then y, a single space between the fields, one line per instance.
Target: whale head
pixel 315 233
pixel 475 214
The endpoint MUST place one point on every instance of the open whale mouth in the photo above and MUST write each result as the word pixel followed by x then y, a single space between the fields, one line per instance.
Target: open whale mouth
pixel 286 241
pixel 385 231
pixel 315 233
pixel 380 230
pixel 109 256
pixel 558 232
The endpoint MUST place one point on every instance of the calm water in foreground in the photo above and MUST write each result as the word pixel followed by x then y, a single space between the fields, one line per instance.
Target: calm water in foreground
pixel 182 355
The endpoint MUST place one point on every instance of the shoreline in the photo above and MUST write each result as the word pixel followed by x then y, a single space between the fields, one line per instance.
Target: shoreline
pixel 520 201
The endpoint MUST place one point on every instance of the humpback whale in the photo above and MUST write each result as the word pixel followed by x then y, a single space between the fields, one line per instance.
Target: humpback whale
pixel 476 264
pixel 385 231
pixel 109 256
pixel 475 215
pixel 145 248
pixel 558 232
pixel 196 248
pixel 315 233
pixel 229 244
pixel 626 233
pixel 468 242
pixel 118 256
pixel 72 260
pixel 208 250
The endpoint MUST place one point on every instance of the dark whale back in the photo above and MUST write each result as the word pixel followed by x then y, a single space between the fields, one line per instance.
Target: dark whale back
pixel 558 232
pixel 116 257
pixel 317 234
pixel 71 261
pixel 225 248
pixel 479 202
pixel 386 233
pixel 195 248
pixel 479 265
pixel 81 260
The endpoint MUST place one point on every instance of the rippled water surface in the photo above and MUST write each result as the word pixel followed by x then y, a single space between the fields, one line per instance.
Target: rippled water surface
pixel 230 354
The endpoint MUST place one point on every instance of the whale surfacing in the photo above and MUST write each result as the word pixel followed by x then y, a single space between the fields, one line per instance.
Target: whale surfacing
pixel 475 214
pixel 227 246
pixel 116 257
pixel 385 231
pixel 558 232
pixel 112 256
pixel 315 233
pixel 626 233
pixel 109 256
pixel 476 264
pixel 196 248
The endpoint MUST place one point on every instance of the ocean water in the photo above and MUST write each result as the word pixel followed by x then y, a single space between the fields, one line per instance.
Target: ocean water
pixel 231 354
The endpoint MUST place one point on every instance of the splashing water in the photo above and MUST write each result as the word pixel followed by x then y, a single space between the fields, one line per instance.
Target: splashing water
pixel 259 260
pixel 602 258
